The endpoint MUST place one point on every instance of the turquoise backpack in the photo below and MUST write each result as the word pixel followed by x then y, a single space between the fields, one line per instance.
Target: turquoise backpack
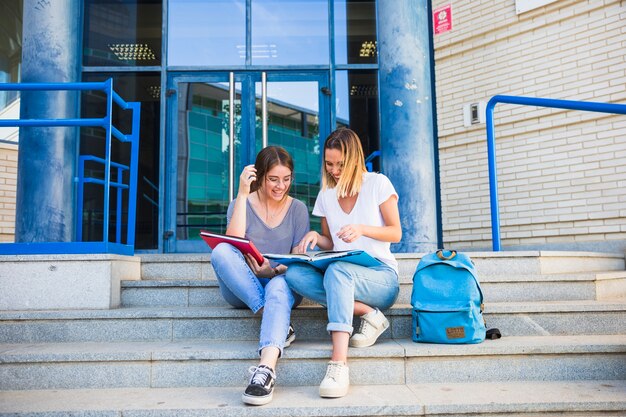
pixel 446 300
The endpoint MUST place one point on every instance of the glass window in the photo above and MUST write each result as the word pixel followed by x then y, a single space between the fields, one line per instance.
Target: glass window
pixel 290 32
pixel 206 33
pixel 10 55
pixel 145 88
pixel 355 32
pixel 122 33
pixel 203 156
pixel 357 107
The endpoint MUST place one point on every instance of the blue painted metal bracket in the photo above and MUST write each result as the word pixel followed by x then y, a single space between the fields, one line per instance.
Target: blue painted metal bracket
pixel 105 246
pixel 491 145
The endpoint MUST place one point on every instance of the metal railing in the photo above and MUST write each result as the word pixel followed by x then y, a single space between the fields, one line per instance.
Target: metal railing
pixel 106 123
pixel 369 161
pixel 491 145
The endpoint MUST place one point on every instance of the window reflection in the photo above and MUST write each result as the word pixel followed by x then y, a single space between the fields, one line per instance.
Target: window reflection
pixel 355 32
pixel 289 32
pixel 357 106
pixel 10 55
pixel 207 33
pixel 122 33
pixel 294 124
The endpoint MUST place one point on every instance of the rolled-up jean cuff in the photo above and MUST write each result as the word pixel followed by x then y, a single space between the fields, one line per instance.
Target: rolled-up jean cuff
pixel 271 344
pixel 256 308
pixel 339 327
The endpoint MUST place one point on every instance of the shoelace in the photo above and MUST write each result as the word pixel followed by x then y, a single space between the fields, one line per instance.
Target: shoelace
pixel 364 326
pixel 334 370
pixel 260 375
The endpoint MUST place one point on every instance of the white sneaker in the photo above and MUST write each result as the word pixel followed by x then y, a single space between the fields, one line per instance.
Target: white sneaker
pixel 337 380
pixel 373 324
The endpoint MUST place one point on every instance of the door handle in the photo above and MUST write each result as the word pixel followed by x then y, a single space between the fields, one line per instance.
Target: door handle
pixel 231 136
pixel 264 106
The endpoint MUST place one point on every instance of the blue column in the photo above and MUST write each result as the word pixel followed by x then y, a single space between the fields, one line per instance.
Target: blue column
pixel 408 127
pixel 47 156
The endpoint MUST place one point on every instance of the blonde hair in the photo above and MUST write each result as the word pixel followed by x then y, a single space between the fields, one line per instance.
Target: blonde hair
pixel 348 143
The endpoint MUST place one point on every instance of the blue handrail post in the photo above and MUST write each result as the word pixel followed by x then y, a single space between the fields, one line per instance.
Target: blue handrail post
pixel 79 199
pixel 134 168
pixel 493 176
pixel 118 208
pixel 108 127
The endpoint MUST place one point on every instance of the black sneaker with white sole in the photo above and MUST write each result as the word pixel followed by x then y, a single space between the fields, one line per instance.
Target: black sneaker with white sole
pixel 261 387
pixel 291 336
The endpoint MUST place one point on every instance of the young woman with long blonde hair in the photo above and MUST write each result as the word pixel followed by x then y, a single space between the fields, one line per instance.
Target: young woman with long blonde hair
pixel 358 210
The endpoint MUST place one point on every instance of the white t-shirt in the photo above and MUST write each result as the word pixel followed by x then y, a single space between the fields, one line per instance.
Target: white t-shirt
pixel 376 189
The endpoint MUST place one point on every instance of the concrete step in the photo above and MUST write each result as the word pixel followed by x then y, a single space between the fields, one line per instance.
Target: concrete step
pixel 549 287
pixel 218 323
pixel 200 363
pixel 496 399
pixel 197 266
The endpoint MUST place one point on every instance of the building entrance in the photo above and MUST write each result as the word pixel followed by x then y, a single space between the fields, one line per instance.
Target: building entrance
pixel 217 124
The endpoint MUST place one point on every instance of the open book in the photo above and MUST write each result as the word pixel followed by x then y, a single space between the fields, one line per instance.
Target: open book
pixel 321 260
pixel 244 245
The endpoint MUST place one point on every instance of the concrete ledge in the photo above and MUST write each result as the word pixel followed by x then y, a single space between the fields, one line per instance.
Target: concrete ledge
pixel 49 282
pixel 611 285
pixel 581 398
pixel 224 363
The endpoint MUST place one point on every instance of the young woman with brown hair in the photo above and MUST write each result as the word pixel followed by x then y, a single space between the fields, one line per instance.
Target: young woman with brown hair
pixel 264 213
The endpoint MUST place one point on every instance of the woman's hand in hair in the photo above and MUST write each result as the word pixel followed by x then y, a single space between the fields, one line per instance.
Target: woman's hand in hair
pixel 262 271
pixel 350 232
pixel 247 177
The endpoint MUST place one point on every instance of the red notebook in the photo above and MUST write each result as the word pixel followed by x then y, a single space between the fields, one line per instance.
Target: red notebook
pixel 244 245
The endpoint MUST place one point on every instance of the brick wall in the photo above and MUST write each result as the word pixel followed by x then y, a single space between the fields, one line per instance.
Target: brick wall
pixel 8 183
pixel 561 174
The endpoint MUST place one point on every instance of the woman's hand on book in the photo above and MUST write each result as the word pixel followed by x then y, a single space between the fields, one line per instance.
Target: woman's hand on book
pixel 262 271
pixel 309 241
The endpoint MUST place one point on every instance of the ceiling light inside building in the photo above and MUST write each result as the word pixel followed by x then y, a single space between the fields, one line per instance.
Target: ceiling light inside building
pixel 363 90
pixel 132 51
pixel 154 91
pixel 368 49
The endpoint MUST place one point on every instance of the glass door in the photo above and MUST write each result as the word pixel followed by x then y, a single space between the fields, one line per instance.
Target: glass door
pixel 218 122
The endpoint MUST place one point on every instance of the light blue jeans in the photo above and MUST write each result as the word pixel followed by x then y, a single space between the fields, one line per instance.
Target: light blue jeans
pixel 340 285
pixel 241 288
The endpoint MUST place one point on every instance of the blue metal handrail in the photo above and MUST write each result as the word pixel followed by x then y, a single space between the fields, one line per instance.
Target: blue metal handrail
pixel 491 145
pixel 110 130
pixel 368 161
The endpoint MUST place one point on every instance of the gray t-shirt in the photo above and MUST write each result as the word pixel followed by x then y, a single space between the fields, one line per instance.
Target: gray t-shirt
pixel 279 239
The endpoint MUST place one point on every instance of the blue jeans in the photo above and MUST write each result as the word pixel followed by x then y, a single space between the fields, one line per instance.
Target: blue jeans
pixel 340 285
pixel 241 288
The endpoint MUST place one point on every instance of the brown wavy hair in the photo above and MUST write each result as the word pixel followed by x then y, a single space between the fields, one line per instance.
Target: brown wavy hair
pixel 267 159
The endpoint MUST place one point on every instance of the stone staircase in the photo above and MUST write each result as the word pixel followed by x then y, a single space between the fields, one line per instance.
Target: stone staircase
pixel 175 348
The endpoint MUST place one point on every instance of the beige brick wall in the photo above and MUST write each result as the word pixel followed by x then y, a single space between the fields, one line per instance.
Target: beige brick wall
pixel 561 174
pixel 8 183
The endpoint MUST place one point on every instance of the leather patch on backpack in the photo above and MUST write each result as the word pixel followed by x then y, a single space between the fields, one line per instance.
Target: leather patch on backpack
pixel 455 332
